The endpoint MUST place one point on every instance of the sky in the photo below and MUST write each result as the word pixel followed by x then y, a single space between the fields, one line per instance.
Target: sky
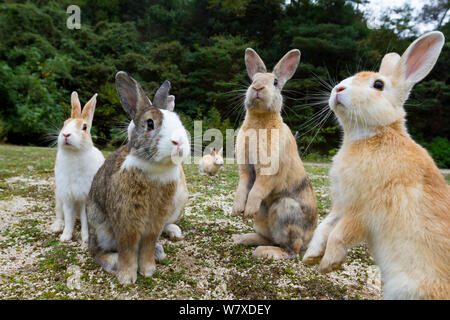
pixel 376 8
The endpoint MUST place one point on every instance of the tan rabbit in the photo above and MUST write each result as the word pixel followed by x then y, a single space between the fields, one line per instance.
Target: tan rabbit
pixel 277 193
pixel 211 163
pixel 135 193
pixel 386 189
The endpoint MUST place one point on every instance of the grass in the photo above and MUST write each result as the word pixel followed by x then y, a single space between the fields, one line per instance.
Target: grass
pixel 204 265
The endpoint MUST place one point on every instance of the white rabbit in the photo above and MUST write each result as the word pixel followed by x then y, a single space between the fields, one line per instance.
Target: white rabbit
pixel 77 161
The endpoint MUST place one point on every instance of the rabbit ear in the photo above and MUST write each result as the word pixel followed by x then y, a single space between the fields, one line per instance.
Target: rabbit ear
pixel 161 96
pixel 213 152
pixel 285 68
pixel 88 110
pixel 420 57
pixel 253 63
pixel 389 63
pixel 76 105
pixel 170 103
pixel 220 152
pixel 132 97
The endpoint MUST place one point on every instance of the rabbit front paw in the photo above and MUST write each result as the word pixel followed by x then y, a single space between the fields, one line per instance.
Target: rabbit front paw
pixel 326 266
pixel 313 255
pixel 148 271
pixel 173 232
pixel 66 236
pixel 159 252
pixel 332 260
pixel 238 208
pixel 126 277
pixel 251 209
pixel 57 226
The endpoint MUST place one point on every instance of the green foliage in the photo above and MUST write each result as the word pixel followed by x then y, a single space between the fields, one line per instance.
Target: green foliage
pixel 199 46
pixel 439 149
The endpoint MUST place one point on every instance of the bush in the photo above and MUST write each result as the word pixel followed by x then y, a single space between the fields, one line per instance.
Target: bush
pixel 439 149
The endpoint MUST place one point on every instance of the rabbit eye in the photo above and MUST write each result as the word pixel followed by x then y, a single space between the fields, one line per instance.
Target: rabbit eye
pixel 378 84
pixel 275 82
pixel 84 127
pixel 150 125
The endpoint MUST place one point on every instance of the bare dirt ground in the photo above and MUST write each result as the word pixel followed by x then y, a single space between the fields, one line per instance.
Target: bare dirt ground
pixel 204 265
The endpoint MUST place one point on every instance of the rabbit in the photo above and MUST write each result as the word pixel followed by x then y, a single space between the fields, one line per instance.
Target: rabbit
pixel 282 202
pixel 134 193
pixel 77 161
pixel 386 189
pixel 171 230
pixel 211 163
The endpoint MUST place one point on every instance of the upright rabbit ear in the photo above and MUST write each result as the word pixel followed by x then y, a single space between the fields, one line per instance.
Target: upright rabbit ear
pixel 285 68
pixel 161 96
pixel 253 63
pixel 389 64
pixel 76 105
pixel 88 110
pixel 220 152
pixel 213 152
pixel 131 95
pixel 420 57
pixel 170 103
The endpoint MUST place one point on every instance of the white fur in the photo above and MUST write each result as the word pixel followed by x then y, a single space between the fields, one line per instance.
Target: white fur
pixel 74 171
pixel 172 130
pixel 155 171
pixel 350 106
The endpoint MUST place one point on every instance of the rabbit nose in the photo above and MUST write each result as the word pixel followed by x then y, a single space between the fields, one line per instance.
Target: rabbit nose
pixel 341 88
pixel 66 135
pixel 176 143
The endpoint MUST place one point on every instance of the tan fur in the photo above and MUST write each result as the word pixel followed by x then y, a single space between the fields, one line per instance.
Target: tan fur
pixel 386 189
pixel 412 200
pixel 281 201
pixel 270 252
pixel 140 220
pixel 208 165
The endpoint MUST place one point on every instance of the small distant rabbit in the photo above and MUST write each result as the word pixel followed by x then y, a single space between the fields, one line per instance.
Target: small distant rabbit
pixel 171 230
pixel 135 193
pixel 283 203
pixel 386 189
pixel 211 163
pixel 77 161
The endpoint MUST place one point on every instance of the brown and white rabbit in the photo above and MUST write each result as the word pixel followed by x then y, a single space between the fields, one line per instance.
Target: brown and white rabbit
pixel 211 163
pixel 281 201
pixel 171 230
pixel 77 161
pixel 386 189
pixel 133 194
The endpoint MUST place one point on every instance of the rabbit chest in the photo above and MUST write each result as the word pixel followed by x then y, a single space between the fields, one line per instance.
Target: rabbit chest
pixel 74 174
pixel 135 199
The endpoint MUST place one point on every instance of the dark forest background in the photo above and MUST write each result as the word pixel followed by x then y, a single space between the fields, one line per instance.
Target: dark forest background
pixel 199 46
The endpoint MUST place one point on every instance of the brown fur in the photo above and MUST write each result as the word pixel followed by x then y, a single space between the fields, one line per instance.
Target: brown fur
pixel 128 203
pixel 283 204
pixel 132 219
